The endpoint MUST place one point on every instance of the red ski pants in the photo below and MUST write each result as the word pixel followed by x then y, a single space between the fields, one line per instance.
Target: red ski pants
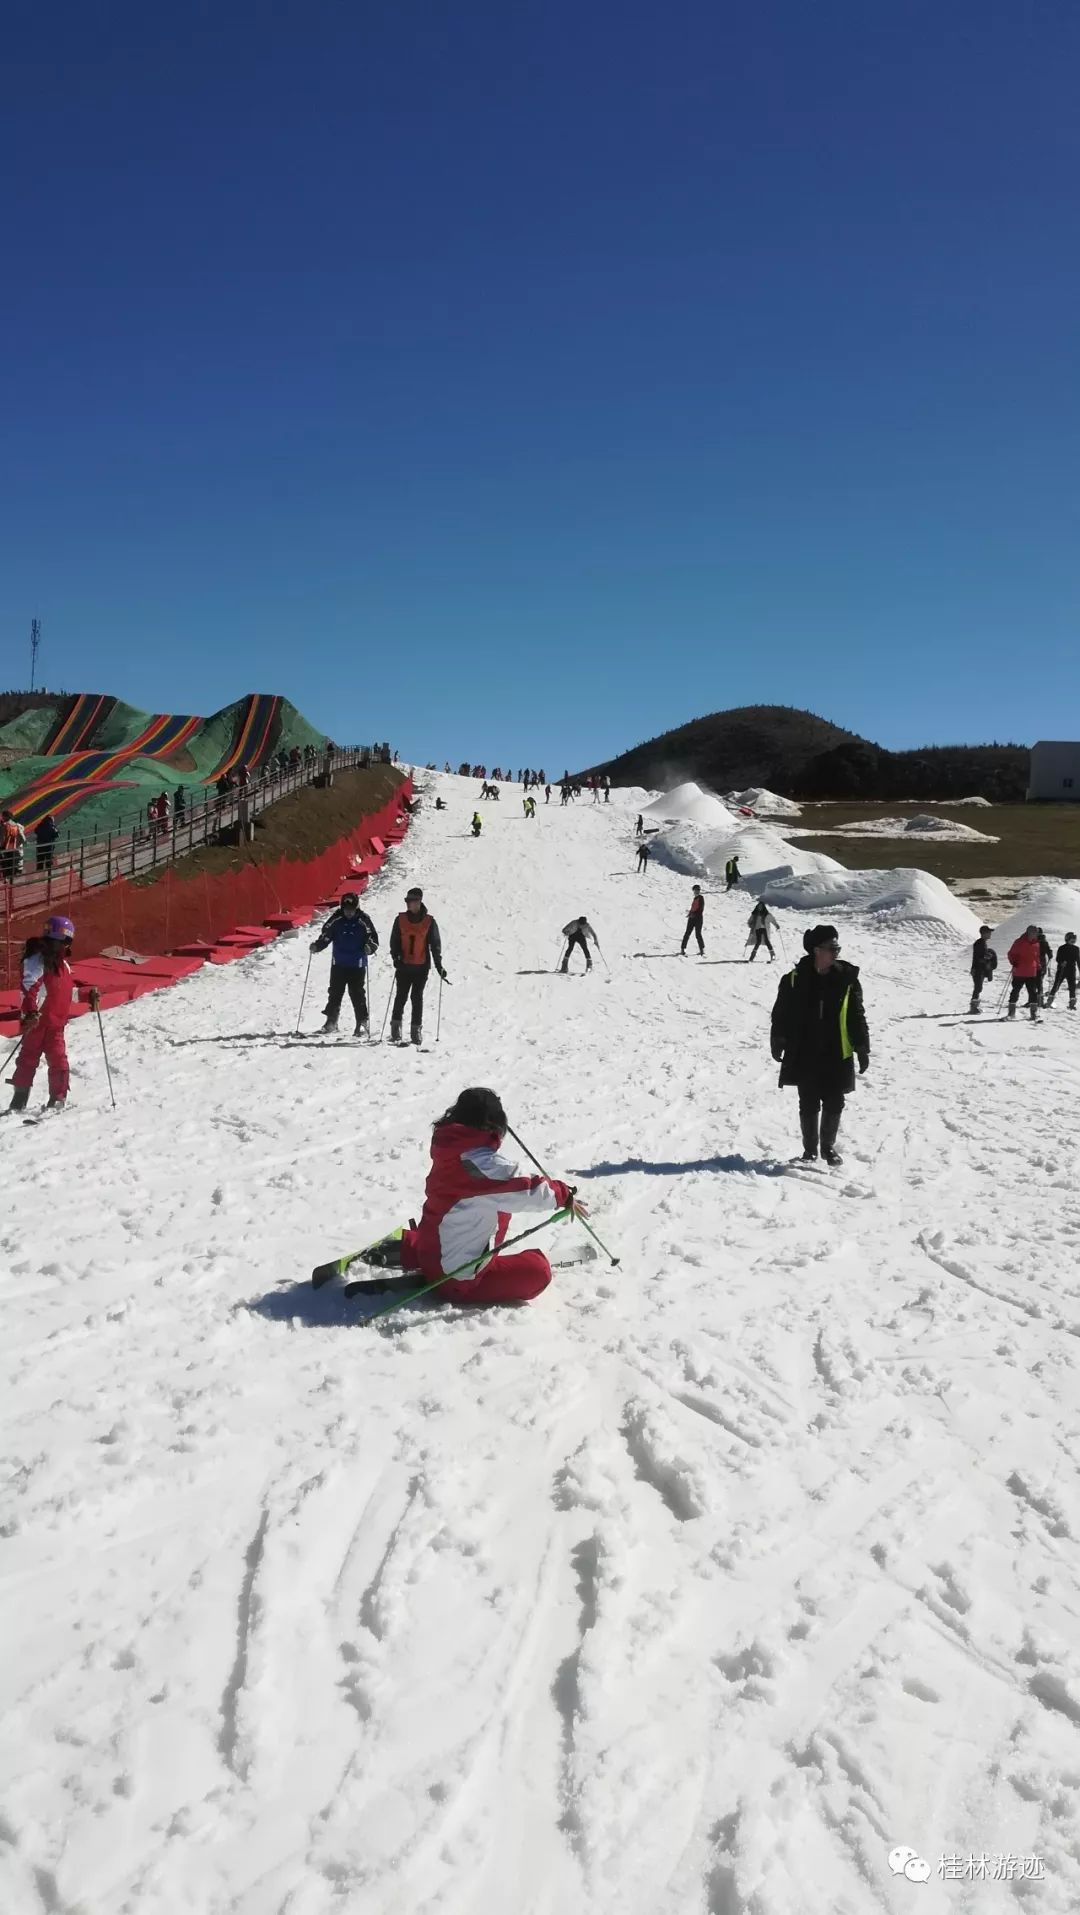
pixel 514 1279
pixel 48 1040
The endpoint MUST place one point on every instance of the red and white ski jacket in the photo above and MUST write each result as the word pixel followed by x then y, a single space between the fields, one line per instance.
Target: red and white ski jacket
pixel 50 993
pixel 471 1191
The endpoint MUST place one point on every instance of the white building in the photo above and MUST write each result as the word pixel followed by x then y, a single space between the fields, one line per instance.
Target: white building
pixel 1055 771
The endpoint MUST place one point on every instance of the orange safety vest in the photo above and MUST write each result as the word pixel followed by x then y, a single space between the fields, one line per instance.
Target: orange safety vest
pixel 414 937
pixel 12 835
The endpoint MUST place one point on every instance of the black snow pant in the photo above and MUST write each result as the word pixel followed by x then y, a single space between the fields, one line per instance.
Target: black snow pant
pixel 819 1104
pixel 1062 976
pixel 1031 985
pixel 643 861
pixel 346 977
pixel 761 938
pixel 693 929
pixel 45 858
pixel 579 938
pixel 978 979
pixel 411 979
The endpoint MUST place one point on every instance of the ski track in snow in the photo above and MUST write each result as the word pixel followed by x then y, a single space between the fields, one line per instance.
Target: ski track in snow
pixel 692 1589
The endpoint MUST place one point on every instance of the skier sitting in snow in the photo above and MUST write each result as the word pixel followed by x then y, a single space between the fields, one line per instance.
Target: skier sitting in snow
pixel 440 804
pixel 695 918
pixel 471 1192
pixel 983 965
pixel 353 937
pixel 48 994
pixel 1068 964
pixel 818 1028
pixel 578 932
pixel 759 921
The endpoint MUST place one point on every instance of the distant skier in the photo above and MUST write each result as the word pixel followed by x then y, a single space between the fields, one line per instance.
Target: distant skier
pixel 732 873
pixel 818 1029
pixel 759 921
pixel 471 1194
pixel 639 828
pixel 415 945
pixel 577 933
pixel 1024 957
pixel 353 938
pixel 440 804
pixel 983 965
pixel 643 857
pixel 695 917
pixel 547 794
pixel 1068 965
pixel 48 992
pixel 607 789
pixel 477 824
pixel 529 807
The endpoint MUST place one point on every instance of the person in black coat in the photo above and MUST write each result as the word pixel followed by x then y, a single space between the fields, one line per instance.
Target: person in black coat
pixel 818 1030
pixel 1068 967
pixel 45 838
pixel 983 964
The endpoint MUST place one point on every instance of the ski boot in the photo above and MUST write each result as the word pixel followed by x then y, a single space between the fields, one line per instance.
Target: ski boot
pixel 363 1028
pixel 1011 1010
pixel 19 1101
pixel 416 1035
pixel 56 1103
pixel 829 1127
pixel 329 1027
pixel 809 1140
pixel 395 1033
pixel 974 1007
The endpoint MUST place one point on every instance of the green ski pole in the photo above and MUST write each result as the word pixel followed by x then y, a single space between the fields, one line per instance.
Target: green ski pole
pixel 584 1221
pixel 400 1302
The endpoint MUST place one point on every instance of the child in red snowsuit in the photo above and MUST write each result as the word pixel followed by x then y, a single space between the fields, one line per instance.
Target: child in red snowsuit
pixel 471 1191
pixel 48 994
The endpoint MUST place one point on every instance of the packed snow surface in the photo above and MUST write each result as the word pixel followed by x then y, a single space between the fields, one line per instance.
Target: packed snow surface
pixel 763 855
pixel 691 804
pixel 768 803
pixel 894 897
pixel 923 826
pixel 1052 902
pixel 697 1587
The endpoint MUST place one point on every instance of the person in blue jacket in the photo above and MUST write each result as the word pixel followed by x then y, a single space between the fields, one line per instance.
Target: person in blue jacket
pixel 353 937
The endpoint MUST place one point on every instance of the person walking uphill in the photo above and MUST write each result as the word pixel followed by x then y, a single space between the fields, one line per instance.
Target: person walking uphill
pixel 642 857
pixel 415 945
pixel 983 965
pixel 1025 957
pixel 471 1194
pixel 353 937
pixel 818 1029
pixel 48 994
pixel 732 873
pixel 695 917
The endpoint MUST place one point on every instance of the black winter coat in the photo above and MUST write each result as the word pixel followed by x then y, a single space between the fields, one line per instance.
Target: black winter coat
pixel 807 1030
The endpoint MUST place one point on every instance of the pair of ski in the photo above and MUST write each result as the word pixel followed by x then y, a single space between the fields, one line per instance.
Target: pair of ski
pixel 383 1259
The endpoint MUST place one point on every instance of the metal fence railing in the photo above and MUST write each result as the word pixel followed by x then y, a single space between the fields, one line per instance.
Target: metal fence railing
pixel 74 864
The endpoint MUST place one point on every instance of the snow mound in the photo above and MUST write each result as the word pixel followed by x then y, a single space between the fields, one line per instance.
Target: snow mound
pixel 923 826
pixel 1050 902
pixel 762 853
pixel 983 803
pixel 688 803
pixel 769 803
pixel 895 897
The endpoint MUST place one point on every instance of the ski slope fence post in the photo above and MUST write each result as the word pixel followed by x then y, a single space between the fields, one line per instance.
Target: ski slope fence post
pixel 105 1055
pixel 303 993
pixel 473 1264
pixel 584 1221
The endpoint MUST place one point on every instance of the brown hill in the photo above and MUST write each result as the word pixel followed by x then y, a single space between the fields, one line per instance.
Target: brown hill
pixel 804 756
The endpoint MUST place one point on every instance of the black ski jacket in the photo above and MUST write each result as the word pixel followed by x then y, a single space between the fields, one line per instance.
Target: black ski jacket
pixel 1068 959
pixel 819 1026
pixel 983 958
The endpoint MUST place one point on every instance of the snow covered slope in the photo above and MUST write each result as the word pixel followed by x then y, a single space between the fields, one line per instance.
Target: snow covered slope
pixel 692 804
pixel 695 1588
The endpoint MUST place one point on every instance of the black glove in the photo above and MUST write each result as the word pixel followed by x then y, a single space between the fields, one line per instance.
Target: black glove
pixel 443 975
pixel 778 1053
pixel 864 1063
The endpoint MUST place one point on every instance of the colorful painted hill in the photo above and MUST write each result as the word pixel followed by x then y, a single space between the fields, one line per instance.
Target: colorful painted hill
pixel 94 762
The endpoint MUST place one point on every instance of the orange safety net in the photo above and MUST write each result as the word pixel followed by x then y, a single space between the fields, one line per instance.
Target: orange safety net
pixel 176 909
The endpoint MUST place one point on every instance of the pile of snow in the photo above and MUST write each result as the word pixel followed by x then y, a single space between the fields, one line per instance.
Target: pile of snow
pixel 923 826
pixel 768 803
pixel 984 803
pixel 762 853
pixel 689 804
pixel 896 897
pixel 1050 902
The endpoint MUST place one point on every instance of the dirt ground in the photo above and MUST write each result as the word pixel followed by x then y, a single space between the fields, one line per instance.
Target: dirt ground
pixel 302 825
pixel 1035 840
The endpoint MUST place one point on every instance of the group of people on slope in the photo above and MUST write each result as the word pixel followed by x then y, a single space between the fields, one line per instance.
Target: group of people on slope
pixel 13 845
pixel 1029 956
pixel 415 946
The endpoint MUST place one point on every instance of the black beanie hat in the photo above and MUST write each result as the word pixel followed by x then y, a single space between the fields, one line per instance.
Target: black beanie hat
pixel 821 934
pixel 478 1108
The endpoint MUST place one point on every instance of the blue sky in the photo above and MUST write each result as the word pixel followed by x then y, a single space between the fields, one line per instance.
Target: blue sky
pixel 520 381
